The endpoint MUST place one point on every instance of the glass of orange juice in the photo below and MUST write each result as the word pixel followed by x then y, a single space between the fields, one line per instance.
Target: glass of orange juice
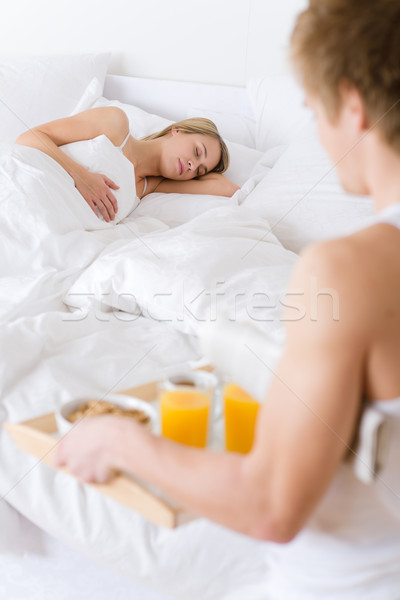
pixel 240 418
pixel 185 402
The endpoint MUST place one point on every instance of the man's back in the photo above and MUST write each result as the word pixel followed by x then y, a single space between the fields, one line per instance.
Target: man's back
pixel 381 272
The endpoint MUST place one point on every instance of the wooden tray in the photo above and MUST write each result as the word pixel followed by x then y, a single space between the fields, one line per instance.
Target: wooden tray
pixel 36 437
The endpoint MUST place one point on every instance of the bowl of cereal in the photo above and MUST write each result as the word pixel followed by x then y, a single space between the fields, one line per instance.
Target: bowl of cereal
pixel 118 405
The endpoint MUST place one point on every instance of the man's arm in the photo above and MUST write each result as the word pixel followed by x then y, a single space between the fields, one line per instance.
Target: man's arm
pixel 309 416
pixel 304 428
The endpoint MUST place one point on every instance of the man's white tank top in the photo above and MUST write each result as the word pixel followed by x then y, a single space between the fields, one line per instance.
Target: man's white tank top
pixel 350 549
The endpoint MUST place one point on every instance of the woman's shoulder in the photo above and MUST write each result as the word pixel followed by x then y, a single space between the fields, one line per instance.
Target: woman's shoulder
pixel 115 122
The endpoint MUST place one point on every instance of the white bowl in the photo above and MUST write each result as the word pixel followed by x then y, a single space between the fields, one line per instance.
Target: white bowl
pixel 191 378
pixel 64 425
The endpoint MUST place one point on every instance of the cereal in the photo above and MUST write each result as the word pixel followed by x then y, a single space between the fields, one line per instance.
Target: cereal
pixel 94 408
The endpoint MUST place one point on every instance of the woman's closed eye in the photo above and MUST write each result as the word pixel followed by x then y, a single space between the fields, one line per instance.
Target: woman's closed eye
pixel 197 153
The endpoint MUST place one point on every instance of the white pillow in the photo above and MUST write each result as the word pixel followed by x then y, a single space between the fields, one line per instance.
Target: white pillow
pixel 242 159
pixel 34 90
pixel 141 123
pixel 233 127
pixel 243 162
pixel 302 197
pixel 279 111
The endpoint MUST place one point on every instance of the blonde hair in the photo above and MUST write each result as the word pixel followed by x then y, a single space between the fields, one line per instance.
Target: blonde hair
pixel 203 127
pixel 356 42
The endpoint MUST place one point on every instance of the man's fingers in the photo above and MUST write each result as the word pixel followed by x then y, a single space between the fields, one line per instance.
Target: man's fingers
pixel 58 456
pixel 103 475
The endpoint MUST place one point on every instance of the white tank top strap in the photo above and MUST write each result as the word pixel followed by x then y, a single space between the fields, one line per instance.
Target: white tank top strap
pixel 124 142
pixel 145 187
pixel 376 458
pixel 390 214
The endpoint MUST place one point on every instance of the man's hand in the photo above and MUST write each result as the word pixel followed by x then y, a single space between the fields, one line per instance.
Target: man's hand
pixel 90 450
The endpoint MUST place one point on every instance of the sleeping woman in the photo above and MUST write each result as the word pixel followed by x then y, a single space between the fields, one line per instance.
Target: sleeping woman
pixel 187 157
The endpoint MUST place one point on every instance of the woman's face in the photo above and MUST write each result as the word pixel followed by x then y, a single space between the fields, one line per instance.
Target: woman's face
pixel 188 155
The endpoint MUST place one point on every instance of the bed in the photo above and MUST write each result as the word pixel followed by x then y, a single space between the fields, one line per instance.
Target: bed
pixel 88 310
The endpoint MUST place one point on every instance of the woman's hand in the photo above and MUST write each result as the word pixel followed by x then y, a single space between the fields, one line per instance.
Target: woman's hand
pixel 92 449
pixel 96 190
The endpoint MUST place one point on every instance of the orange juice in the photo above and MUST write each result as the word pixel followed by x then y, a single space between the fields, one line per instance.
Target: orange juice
pixel 184 416
pixel 240 418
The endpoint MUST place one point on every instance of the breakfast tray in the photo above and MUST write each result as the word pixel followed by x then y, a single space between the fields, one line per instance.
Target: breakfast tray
pixel 37 437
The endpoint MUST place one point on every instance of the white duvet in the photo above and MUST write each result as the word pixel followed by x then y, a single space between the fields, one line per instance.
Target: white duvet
pixel 176 263
pixel 221 265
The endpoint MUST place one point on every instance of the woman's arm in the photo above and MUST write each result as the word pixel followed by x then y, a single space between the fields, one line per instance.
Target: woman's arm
pixel 214 184
pixel 94 187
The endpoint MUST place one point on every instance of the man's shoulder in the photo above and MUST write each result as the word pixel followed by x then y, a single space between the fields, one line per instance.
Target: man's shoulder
pixel 345 282
pixel 352 259
pixel 335 262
